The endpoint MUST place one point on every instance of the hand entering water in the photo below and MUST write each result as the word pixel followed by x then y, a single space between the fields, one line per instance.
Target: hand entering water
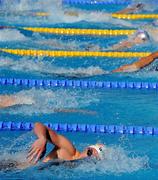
pixel 38 147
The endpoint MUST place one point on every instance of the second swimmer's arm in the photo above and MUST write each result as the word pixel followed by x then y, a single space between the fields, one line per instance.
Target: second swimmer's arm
pixel 12 100
pixel 7 101
pixel 132 9
pixel 142 62
pixel 122 45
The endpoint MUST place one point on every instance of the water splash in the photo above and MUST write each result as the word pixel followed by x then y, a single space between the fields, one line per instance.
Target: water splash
pixel 47 101
pixel 58 44
pixel 11 35
pixel 62 14
pixel 117 160
pixel 47 69
pixel 14 152
pixel 81 15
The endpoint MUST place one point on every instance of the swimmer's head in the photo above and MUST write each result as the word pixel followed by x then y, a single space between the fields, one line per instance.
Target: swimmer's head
pixel 96 150
pixel 139 6
pixel 141 36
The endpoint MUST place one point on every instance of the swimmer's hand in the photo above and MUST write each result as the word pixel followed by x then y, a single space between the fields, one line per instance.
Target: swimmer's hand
pixel 126 68
pixel 37 150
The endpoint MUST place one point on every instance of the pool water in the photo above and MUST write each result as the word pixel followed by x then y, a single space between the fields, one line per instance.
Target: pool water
pixel 128 156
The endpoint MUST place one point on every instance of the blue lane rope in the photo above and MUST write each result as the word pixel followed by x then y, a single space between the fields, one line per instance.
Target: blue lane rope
pixel 97 2
pixel 91 2
pixel 77 84
pixel 87 128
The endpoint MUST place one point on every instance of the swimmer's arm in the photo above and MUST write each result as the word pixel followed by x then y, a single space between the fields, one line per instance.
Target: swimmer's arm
pixel 7 101
pixel 12 100
pixel 44 135
pixel 82 111
pixel 122 45
pixel 142 62
pixel 132 9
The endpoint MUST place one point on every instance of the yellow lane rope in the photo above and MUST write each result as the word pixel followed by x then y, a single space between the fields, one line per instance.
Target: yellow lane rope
pixel 120 16
pixel 72 31
pixel 49 53
pixel 135 16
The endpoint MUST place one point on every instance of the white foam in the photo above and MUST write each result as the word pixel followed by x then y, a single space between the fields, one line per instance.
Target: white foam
pixel 16 149
pixel 46 68
pixel 153 32
pixel 57 12
pixel 47 101
pixel 24 100
pixel 76 72
pixel 72 45
pixel 116 160
pixel 5 62
pixel 11 35
pixel 89 16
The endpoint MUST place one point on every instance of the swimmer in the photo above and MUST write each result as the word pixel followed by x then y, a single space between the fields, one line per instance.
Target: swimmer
pixel 133 9
pixel 63 149
pixel 136 66
pixel 64 152
pixel 139 37
pixel 60 44
pixel 68 15
pixel 141 63
pixel 13 100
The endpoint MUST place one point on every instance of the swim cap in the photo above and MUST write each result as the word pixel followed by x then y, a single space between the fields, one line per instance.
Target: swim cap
pixel 100 148
pixel 142 34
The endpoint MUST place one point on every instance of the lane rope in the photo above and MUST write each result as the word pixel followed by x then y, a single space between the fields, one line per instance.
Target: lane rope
pixel 93 2
pixel 135 16
pixel 50 53
pixel 78 84
pixel 85 128
pixel 74 31
pixel 97 2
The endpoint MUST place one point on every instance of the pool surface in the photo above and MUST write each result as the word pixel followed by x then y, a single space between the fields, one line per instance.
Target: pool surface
pixel 128 156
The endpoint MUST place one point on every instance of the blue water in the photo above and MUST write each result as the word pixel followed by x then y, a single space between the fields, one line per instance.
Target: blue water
pixel 132 157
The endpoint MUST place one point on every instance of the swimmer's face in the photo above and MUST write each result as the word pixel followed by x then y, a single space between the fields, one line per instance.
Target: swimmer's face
pixel 95 151
pixel 140 6
pixel 141 37
pixel 92 152
pixel 139 40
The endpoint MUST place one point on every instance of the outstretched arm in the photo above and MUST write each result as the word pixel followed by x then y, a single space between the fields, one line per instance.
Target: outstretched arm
pixel 12 100
pixel 141 63
pixel 132 9
pixel 7 101
pixel 122 45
